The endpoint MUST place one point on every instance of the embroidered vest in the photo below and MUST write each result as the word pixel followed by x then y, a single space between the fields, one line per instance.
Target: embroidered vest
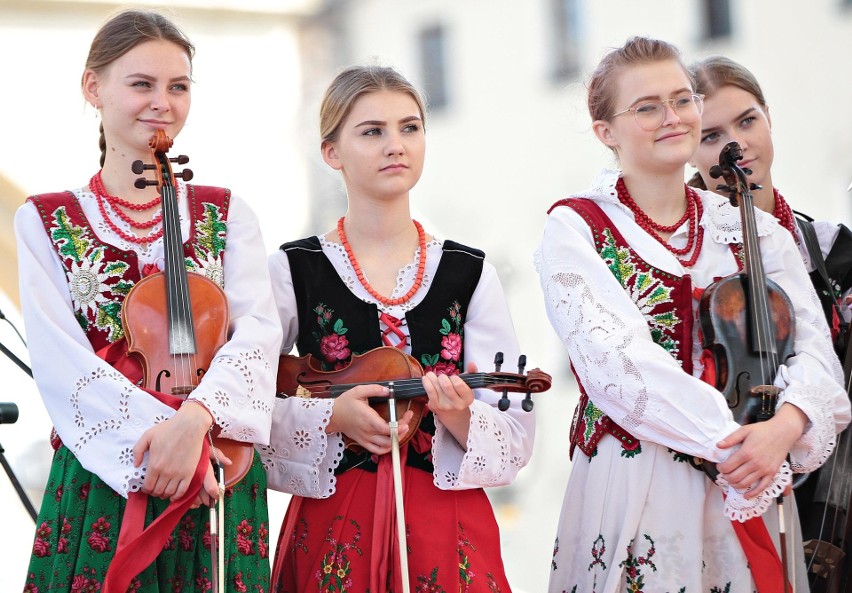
pixel 334 324
pixel 100 275
pixel 665 301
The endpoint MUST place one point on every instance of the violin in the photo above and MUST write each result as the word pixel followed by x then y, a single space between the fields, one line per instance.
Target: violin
pixel 396 370
pixel 747 321
pixel 175 321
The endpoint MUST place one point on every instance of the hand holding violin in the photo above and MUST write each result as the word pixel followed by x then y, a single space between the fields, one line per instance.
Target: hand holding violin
pixel 450 399
pixel 764 447
pixel 353 416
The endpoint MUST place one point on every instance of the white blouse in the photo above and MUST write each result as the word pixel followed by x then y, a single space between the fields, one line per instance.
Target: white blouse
pixel 639 384
pixel 97 412
pixel 301 457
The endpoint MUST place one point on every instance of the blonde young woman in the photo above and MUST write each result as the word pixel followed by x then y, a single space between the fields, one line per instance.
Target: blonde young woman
pixel 379 279
pixel 621 266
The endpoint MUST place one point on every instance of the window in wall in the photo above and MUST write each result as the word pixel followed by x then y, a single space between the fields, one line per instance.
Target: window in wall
pixel 433 65
pixel 717 19
pixel 565 30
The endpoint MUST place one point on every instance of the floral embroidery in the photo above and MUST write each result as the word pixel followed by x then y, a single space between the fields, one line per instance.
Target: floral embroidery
pixel 635 578
pixel 209 246
pixel 333 344
pixel 98 540
pixel 598 553
pixel 448 360
pixel 94 296
pixel 336 566
pixel 645 290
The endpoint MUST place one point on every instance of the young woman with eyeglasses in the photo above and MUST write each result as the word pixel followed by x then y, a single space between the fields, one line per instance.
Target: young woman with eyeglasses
pixel 621 266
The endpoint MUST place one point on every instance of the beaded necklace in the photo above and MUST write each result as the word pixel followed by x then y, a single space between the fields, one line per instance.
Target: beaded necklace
pixel 97 188
pixel 784 213
pixel 695 232
pixel 421 266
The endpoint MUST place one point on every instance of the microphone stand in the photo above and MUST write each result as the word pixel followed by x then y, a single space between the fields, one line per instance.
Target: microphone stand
pixel 13 416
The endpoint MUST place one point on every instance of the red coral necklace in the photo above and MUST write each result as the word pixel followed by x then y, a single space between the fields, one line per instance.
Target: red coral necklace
pixel 418 280
pixel 96 185
pixel 783 213
pixel 694 211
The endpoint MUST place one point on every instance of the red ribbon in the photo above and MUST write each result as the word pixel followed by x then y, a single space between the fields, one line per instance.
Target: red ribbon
pixel 138 546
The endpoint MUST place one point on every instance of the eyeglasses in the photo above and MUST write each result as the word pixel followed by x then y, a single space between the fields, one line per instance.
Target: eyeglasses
pixel 650 115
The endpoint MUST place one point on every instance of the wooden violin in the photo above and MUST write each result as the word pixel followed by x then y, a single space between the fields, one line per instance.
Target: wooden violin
pixel 391 367
pixel 175 321
pixel 747 320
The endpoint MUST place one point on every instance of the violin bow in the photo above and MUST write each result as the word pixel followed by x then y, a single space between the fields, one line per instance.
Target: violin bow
pixel 402 541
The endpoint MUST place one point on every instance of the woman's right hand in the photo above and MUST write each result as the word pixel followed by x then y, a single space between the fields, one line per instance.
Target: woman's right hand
pixel 353 416
pixel 174 449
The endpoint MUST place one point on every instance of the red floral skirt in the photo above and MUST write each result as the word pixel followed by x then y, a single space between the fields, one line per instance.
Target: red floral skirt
pixel 347 543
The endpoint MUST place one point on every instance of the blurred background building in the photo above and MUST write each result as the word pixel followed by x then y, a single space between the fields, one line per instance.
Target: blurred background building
pixel 508 134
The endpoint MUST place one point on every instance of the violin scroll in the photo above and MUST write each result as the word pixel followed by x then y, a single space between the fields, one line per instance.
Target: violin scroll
pixel 160 144
pixel 733 174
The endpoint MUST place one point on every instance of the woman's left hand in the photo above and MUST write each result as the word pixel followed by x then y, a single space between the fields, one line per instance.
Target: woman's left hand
pixel 450 399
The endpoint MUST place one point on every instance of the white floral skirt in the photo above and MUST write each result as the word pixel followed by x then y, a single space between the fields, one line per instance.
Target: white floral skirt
pixel 650 522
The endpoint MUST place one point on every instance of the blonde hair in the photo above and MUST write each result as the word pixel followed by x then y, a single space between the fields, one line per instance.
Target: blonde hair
pixel 602 84
pixel 353 83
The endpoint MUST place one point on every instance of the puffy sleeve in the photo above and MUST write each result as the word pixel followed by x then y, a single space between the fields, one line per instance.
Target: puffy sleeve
pixel 97 412
pixel 499 443
pixel 812 378
pixel 239 386
pixel 301 457
pixel 626 374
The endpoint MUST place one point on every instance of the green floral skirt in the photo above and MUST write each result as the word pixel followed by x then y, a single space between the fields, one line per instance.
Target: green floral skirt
pixel 80 518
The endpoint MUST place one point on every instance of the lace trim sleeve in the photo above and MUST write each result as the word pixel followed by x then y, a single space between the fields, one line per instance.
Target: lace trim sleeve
pixel 301 458
pixel 495 451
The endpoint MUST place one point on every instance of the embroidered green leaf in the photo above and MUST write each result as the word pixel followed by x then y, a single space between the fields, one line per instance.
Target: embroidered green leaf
pixel 211 230
pixel 428 360
pixel 338 327
pixel 116 268
pixel 446 328
pixel 122 287
pixel 633 453
pixel 109 318
pixel 592 416
pixel 71 240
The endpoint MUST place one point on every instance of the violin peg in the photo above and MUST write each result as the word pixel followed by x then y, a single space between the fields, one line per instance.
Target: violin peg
pixel 528 403
pixel 522 363
pixel 137 167
pixel 746 170
pixel 754 186
pixel 498 361
pixel 504 402
pixel 186 174
pixel 143 183
pixel 181 159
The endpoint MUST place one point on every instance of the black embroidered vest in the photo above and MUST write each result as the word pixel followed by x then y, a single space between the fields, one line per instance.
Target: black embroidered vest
pixel 334 324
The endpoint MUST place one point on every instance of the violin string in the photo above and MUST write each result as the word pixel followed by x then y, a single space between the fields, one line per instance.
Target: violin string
pixel 183 372
pixel 407 388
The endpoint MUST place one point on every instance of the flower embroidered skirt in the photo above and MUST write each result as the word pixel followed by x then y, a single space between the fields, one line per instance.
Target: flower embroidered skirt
pixel 347 543
pixel 648 521
pixel 79 522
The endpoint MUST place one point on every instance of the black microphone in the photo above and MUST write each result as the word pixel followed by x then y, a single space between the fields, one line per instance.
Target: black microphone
pixel 8 413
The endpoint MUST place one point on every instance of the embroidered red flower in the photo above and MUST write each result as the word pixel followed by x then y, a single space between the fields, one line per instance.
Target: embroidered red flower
pixel 30 588
pixel 81 584
pixel 203 583
pixel 84 491
pixel 239 585
pixel 444 367
pixel 451 346
pixel 58 495
pixel 98 542
pixel 244 544
pixel 335 347
pixel 41 548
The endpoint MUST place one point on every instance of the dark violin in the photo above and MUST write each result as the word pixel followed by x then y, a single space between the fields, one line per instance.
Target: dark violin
pixel 175 320
pixel 392 368
pixel 747 320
